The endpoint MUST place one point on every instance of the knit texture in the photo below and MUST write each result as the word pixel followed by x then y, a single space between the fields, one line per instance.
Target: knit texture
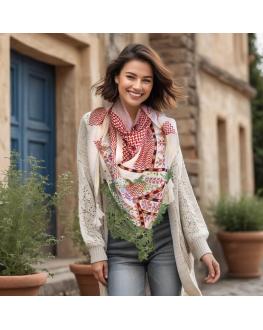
pixel 188 228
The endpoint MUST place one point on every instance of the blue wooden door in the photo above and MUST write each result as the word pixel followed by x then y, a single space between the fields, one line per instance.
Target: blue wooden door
pixel 33 114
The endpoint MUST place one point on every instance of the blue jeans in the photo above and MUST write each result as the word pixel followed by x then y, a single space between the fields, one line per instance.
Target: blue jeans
pixel 127 275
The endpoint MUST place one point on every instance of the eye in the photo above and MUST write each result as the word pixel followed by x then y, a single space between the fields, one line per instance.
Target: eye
pixel 130 77
pixel 147 81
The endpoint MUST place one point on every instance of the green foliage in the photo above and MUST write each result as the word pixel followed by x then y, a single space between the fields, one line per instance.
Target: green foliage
pixel 121 226
pixel 244 214
pixel 25 213
pixel 256 80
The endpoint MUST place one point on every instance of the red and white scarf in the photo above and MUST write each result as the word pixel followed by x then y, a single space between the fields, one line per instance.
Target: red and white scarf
pixel 138 139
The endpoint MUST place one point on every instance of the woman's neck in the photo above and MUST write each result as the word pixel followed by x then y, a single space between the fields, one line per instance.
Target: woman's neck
pixel 131 110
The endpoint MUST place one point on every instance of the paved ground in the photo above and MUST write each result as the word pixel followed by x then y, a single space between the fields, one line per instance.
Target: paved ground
pixel 64 283
pixel 234 287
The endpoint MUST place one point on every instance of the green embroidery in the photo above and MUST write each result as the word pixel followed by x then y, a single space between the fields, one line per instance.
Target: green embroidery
pixel 121 225
pixel 168 175
pixel 140 179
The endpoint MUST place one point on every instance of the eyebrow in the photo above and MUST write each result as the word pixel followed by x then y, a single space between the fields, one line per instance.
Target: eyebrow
pixel 136 75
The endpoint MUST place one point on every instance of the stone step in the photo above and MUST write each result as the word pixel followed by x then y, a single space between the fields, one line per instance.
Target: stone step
pixel 63 282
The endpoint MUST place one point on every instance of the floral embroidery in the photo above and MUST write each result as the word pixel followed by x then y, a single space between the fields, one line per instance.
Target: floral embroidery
pixel 121 225
pixel 136 185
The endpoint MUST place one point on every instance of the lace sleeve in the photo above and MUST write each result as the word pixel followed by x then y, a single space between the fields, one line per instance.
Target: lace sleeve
pixel 193 223
pixel 89 226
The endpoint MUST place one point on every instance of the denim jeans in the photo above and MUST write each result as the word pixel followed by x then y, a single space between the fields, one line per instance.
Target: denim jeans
pixel 127 275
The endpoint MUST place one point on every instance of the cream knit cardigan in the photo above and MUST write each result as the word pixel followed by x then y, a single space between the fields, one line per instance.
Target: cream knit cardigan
pixel 188 228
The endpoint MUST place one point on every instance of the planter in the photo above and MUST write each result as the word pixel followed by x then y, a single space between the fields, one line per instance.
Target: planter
pixel 88 285
pixel 243 252
pixel 22 285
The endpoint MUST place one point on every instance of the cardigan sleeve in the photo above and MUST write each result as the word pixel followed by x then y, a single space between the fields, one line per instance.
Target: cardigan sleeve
pixel 193 224
pixel 90 227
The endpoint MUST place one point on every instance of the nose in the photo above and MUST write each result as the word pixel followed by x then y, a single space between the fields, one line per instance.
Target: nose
pixel 137 85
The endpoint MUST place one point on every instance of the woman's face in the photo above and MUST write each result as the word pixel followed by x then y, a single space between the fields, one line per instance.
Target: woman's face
pixel 135 83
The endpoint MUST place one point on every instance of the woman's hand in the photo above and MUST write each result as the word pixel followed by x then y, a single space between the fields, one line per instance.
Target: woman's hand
pixel 213 268
pixel 100 271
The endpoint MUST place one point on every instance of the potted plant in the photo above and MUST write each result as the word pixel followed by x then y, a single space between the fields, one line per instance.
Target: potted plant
pixel 25 211
pixel 241 234
pixel 88 285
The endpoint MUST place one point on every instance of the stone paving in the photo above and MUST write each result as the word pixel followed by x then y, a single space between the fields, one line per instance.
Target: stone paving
pixel 234 287
pixel 64 283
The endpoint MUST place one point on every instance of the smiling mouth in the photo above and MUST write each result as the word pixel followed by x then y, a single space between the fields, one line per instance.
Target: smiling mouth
pixel 135 94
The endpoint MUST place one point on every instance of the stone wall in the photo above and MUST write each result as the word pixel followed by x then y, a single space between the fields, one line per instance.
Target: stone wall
pixel 177 51
pixel 224 97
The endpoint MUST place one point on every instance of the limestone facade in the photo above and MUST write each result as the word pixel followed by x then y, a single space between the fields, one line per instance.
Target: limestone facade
pixel 215 121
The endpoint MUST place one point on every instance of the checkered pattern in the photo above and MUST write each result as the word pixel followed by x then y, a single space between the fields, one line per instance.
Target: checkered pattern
pixel 134 139
pixel 113 139
pixel 136 189
pixel 146 157
pixel 97 116
pixel 167 128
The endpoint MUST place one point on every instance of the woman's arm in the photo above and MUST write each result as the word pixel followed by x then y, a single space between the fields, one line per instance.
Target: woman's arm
pixel 193 223
pixel 194 226
pixel 90 225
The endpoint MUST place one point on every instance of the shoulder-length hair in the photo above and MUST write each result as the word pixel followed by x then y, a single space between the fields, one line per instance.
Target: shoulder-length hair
pixel 165 92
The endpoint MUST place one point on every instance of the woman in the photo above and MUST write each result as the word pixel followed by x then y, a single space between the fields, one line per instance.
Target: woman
pixel 130 164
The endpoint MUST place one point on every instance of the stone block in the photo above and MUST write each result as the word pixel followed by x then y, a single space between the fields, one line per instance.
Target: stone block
pixel 181 69
pixel 188 140
pixel 190 153
pixel 171 56
pixel 185 111
pixel 192 96
pixel 186 126
pixel 192 166
pixel 183 40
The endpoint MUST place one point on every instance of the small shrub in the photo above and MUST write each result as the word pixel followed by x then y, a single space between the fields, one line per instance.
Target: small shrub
pixel 25 212
pixel 244 214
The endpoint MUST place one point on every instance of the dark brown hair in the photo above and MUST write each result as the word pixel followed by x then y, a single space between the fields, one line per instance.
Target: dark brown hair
pixel 165 92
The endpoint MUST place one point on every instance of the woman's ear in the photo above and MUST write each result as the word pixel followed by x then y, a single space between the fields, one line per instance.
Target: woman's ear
pixel 116 79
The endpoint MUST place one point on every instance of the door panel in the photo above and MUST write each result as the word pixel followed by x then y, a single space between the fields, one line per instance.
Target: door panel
pixel 33 114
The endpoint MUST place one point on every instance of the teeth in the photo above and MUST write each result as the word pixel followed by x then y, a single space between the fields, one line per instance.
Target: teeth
pixel 135 94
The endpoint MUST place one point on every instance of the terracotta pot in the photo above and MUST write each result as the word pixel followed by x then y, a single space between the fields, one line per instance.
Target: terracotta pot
pixel 88 285
pixel 243 252
pixel 22 285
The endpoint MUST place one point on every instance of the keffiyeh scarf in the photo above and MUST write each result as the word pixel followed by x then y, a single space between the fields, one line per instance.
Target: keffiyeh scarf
pixel 136 180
